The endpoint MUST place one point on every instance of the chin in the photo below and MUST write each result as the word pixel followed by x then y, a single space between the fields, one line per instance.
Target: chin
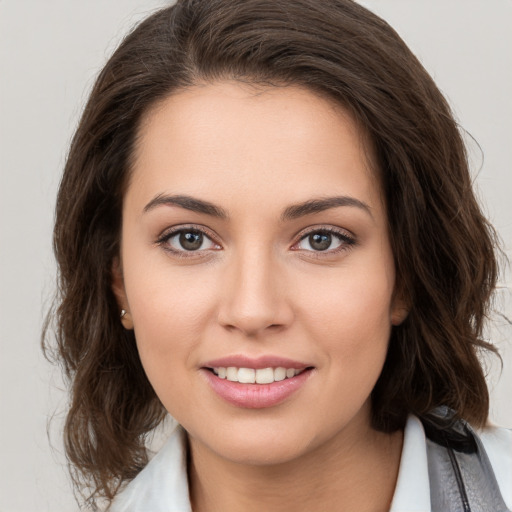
pixel 266 451
pixel 262 443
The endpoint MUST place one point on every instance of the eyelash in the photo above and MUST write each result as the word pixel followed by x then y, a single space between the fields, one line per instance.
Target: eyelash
pixel 347 241
pixel 169 234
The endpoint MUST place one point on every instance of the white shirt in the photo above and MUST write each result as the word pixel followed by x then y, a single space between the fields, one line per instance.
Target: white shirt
pixel 162 485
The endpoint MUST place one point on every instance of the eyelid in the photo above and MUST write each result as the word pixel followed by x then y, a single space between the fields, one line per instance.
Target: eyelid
pixel 346 236
pixel 169 232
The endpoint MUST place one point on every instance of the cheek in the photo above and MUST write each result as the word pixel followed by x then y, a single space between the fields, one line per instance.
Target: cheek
pixel 350 316
pixel 170 310
pixel 168 326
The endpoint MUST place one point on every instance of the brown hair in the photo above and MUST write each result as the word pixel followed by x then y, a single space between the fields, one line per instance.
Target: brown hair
pixel 443 246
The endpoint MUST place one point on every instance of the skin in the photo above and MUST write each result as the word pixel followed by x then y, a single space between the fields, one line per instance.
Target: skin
pixel 257 286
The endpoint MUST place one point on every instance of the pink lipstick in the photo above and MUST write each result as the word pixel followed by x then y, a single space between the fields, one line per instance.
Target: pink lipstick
pixel 255 383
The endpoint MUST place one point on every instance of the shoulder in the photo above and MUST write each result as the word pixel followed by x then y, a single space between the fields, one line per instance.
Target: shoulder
pixel 425 471
pixel 477 462
pixel 162 485
pixel 498 446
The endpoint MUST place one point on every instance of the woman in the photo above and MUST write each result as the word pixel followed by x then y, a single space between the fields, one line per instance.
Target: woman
pixel 266 229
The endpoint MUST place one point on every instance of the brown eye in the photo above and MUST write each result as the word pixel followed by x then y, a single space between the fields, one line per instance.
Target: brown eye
pixel 191 240
pixel 320 241
pixel 187 240
pixel 325 240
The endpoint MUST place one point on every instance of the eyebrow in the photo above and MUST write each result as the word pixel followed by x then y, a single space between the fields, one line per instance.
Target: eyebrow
pixel 187 202
pixel 292 212
pixel 321 204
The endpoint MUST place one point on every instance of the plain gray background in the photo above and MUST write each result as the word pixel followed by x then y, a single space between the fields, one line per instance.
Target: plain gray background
pixel 50 52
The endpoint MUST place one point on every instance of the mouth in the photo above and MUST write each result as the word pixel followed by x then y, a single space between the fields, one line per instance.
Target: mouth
pixel 255 375
pixel 256 384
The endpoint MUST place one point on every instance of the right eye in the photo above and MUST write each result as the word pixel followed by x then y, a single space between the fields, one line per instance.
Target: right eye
pixel 187 240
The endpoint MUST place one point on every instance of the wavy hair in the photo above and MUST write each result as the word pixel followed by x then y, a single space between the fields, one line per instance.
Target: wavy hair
pixel 444 249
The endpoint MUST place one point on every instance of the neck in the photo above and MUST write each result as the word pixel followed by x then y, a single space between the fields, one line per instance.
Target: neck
pixel 354 471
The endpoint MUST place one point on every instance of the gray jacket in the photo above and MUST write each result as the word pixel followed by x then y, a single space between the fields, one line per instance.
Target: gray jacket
pixel 461 476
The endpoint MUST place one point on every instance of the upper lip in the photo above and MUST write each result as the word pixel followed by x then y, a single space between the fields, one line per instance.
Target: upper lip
pixel 267 361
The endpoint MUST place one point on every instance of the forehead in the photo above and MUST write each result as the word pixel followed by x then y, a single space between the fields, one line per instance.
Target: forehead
pixel 228 138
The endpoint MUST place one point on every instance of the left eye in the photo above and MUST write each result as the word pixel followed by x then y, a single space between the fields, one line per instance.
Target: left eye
pixel 189 240
pixel 320 241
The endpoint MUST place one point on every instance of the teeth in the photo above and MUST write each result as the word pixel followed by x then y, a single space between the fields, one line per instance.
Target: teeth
pixel 252 376
pixel 264 376
pixel 280 374
pixel 232 374
pixel 247 375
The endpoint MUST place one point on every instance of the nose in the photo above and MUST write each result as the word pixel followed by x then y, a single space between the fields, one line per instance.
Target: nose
pixel 254 296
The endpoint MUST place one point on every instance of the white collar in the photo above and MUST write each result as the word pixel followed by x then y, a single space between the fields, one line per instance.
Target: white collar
pixel 412 491
pixel 162 485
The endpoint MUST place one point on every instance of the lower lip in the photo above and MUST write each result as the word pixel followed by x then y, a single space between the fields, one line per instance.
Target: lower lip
pixel 256 396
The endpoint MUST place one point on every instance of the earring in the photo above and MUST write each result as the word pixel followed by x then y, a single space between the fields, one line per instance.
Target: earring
pixel 126 319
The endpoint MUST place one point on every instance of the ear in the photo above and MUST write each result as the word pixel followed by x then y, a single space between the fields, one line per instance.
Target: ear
pixel 120 293
pixel 399 314
pixel 399 308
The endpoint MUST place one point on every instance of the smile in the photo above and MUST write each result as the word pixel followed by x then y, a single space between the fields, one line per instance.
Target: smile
pixel 256 383
pixel 255 376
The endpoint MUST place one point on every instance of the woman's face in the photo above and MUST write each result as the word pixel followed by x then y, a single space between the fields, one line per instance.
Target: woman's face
pixel 254 238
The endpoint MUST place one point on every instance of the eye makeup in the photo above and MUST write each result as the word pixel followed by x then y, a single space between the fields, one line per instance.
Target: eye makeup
pixel 188 241
pixel 193 241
